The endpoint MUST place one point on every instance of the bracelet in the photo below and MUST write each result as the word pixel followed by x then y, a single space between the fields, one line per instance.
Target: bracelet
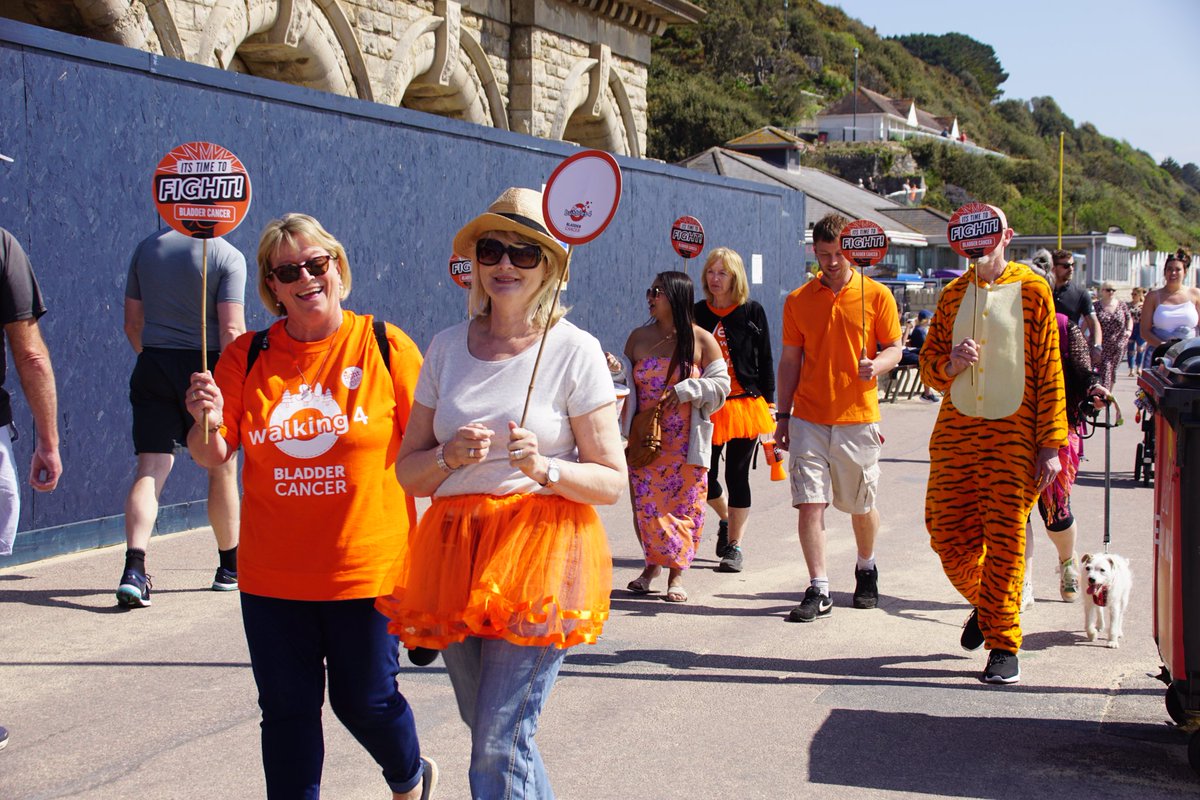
pixel 439 455
pixel 780 415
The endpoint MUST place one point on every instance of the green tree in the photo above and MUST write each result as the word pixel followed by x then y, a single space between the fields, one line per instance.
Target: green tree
pixel 751 63
pixel 974 63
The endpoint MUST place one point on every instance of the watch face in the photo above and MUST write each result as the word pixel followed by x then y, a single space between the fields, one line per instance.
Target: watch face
pixel 552 472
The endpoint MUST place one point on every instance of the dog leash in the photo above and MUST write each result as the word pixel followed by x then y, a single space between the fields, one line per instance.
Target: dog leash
pixel 1108 424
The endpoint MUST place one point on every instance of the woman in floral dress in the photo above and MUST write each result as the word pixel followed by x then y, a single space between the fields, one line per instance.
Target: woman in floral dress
pixel 1116 323
pixel 687 374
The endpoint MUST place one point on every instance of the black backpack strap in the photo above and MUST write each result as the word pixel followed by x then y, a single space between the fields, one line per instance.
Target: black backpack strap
pixel 381 337
pixel 257 344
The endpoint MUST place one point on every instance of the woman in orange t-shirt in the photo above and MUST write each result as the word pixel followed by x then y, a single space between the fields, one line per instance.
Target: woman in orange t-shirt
pixel 320 410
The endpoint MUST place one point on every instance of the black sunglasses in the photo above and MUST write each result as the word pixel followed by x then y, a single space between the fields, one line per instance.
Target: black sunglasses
pixel 488 252
pixel 290 273
pixel 655 291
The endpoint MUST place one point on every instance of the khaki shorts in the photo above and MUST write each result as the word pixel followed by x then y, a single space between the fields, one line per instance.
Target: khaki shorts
pixel 836 464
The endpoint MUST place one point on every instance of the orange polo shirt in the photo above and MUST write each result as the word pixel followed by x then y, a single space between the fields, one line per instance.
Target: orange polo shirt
pixel 829 327
pixel 323 516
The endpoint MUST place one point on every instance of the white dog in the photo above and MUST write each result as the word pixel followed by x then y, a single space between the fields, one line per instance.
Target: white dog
pixel 1109 580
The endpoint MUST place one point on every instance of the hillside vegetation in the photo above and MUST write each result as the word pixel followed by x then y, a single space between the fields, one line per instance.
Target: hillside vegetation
pixel 752 63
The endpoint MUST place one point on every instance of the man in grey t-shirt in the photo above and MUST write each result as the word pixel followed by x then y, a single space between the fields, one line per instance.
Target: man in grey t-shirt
pixel 162 323
pixel 20 307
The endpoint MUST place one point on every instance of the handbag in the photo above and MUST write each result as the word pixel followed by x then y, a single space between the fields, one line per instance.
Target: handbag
pixel 645 437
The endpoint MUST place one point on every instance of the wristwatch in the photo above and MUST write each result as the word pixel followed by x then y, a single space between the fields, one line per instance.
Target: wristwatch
pixel 552 474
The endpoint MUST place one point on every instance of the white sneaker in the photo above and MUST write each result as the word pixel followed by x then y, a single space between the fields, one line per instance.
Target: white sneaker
pixel 1068 580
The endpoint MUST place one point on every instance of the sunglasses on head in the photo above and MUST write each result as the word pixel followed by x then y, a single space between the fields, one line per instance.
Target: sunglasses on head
pixel 654 291
pixel 290 273
pixel 522 256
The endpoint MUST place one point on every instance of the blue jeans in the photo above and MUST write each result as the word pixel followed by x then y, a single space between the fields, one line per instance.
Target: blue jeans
pixel 501 688
pixel 292 645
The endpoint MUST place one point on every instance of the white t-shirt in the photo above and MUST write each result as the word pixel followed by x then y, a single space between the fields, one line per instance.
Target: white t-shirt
pixel 572 380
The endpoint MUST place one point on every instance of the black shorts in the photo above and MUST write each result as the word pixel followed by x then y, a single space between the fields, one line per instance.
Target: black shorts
pixel 157 392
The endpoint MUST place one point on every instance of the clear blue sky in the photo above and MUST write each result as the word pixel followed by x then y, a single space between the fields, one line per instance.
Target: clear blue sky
pixel 1132 69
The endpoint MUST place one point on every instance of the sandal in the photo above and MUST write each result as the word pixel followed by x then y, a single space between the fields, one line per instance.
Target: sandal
pixel 676 594
pixel 640 585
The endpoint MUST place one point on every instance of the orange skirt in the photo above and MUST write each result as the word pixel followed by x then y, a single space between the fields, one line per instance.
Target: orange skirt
pixel 742 418
pixel 528 568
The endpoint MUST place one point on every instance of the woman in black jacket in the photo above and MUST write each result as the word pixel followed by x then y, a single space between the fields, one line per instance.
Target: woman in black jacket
pixel 740 327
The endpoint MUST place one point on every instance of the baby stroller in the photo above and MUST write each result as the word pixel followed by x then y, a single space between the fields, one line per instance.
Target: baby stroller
pixel 1143 463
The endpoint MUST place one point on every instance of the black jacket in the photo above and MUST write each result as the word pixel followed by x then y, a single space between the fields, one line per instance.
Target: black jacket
pixel 749 346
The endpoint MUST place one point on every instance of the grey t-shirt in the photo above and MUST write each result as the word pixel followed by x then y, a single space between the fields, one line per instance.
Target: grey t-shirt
pixel 20 299
pixel 572 380
pixel 164 274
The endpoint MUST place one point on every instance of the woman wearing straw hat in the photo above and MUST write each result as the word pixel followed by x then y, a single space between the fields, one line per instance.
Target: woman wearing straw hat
pixel 320 408
pixel 510 565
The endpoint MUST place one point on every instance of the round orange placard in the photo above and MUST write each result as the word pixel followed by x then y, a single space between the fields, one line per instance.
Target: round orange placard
pixel 201 190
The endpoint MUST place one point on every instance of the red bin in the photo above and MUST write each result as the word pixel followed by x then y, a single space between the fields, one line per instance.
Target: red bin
pixel 1173 388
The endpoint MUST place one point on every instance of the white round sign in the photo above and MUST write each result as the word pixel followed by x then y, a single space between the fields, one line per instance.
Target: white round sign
pixel 581 196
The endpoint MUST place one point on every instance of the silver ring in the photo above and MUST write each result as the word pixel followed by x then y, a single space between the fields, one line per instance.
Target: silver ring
pixel 472 452
pixel 517 454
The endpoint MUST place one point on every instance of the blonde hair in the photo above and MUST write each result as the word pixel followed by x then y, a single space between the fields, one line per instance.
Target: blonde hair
pixel 538 312
pixel 737 270
pixel 289 230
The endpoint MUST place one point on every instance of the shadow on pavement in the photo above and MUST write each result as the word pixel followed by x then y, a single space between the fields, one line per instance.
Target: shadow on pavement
pixel 60 598
pixel 901 671
pixel 993 757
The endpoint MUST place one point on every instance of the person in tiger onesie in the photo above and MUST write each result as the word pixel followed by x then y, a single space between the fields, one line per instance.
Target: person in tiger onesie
pixel 993 350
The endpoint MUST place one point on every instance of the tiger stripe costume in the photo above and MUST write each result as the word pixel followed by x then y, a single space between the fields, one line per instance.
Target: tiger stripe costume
pixel 984 446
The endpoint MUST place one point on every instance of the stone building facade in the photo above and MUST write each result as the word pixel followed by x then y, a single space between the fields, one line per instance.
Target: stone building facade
pixel 573 70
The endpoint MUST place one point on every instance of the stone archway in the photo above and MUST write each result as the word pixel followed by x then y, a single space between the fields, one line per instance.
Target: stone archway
pixel 303 42
pixel 594 108
pixel 438 68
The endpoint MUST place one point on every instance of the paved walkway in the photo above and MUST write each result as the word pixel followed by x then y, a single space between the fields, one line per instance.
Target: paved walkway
pixel 717 698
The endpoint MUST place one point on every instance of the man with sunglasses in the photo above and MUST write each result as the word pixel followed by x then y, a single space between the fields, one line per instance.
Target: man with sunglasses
pixel 1070 299
pixel 162 323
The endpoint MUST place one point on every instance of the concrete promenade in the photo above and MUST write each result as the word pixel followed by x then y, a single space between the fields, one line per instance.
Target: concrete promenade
pixel 716 698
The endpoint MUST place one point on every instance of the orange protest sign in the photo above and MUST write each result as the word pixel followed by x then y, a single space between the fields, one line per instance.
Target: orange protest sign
pixel 687 236
pixel 460 271
pixel 201 190
pixel 863 242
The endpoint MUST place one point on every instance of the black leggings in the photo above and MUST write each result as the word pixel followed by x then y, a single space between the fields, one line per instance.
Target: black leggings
pixel 737 471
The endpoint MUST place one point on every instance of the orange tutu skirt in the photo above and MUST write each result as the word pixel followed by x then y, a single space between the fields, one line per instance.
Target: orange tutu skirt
pixel 528 568
pixel 742 418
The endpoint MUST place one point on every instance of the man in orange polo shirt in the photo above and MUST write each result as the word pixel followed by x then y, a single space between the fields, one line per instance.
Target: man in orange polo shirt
pixel 833 328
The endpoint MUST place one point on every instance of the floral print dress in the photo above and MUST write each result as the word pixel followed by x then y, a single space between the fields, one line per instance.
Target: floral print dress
pixel 668 495
pixel 1113 324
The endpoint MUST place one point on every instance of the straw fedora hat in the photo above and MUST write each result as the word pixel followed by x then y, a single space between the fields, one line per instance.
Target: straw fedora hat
pixel 517 210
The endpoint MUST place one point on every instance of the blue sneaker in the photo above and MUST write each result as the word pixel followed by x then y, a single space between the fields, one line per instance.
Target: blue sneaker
pixel 134 591
pixel 224 581
pixel 3 737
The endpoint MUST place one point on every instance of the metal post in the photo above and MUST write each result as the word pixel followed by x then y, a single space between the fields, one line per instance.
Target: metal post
pixel 855 132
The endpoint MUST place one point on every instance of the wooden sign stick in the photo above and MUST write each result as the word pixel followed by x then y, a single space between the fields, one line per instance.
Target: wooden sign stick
pixel 542 346
pixel 204 320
